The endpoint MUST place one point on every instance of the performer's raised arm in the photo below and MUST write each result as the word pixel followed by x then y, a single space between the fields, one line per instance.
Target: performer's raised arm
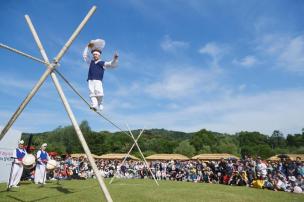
pixel 85 54
pixel 113 63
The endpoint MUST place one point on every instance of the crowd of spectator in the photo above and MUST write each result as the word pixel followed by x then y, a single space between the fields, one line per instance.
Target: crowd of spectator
pixel 284 175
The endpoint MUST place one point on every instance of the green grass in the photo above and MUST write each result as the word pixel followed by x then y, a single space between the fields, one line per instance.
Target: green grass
pixel 141 190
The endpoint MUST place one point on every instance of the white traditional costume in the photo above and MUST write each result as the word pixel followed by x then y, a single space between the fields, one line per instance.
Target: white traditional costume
pixel 17 166
pixel 96 71
pixel 42 159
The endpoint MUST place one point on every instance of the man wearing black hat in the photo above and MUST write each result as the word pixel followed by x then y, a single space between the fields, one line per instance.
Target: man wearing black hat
pixel 96 71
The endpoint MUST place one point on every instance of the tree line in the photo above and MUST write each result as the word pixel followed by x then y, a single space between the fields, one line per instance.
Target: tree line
pixel 64 140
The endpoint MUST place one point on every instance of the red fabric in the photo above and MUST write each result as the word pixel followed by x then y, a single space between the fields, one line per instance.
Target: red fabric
pixel 226 179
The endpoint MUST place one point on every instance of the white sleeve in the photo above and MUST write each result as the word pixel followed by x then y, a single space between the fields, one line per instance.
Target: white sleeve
pixel 38 156
pixel 15 154
pixel 111 64
pixel 86 56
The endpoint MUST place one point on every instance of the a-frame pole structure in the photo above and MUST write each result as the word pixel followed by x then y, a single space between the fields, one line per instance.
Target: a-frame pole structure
pixel 126 156
pixel 142 155
pixel 49 70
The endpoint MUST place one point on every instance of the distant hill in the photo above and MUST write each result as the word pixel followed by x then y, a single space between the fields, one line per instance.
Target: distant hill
pixel 64 140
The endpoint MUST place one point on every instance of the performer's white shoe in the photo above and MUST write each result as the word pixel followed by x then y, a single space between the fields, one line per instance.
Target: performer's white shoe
pixel 97 108
pixel 94 108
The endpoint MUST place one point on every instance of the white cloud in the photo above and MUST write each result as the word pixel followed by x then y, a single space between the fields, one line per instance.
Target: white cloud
pixel 170 45
pixel 247 61
pixel 34 121
pixel 287 51
pixel 212 49
pixel 292 56
pixel 186 82
pixel 242 87
pixel 216 52
pixel 15 83
pixel 263 112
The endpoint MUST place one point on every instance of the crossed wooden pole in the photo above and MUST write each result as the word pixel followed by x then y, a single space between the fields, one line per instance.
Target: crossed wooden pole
pixel 128 154
pixel 51 66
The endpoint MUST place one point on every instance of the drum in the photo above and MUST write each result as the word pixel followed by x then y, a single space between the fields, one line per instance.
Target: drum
pixel 51 164
pixel 29 161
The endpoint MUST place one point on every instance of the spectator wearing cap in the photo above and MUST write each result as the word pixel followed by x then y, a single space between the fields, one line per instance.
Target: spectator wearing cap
pixel 96 71
pixel 16 174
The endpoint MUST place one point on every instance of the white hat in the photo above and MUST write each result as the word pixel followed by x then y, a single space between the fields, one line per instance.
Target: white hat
pixel 292 178
pixel 44 145
pixel 98 44
pixel 297 190
pixel 21 142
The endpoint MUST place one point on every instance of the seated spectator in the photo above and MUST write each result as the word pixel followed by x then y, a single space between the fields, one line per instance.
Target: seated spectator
pixel 242 179
pixel 258 183
pixel 179 176
pixel 205 176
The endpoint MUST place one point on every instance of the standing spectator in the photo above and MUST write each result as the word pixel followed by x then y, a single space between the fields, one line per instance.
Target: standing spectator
pixel 261 168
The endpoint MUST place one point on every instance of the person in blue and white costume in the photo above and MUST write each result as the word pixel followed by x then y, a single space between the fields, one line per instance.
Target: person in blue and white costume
pixel 42 159
pixel 96 71
pixel 19 153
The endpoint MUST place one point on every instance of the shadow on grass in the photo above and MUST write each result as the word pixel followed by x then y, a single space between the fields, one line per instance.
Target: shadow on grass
pixel 62 190
pixel 18 199
pixel 3 191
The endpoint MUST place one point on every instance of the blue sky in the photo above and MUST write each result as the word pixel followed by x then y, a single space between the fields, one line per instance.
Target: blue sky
pixel 226 66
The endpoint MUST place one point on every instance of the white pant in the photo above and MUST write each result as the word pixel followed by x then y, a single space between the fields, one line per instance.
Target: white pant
pixel 16 174
pixel 96 93
pixel 40 173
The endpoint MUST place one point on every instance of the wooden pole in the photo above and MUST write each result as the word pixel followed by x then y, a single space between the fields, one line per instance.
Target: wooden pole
pixel 45 75
pixel 21 53
pixel 132 136
pixel 71 114
pixel 141 132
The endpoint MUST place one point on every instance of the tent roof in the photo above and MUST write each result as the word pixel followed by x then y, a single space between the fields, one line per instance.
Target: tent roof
pixel 117 156
pixel 167 157
pixel 214 156
pixel 83 155
pixel 291 157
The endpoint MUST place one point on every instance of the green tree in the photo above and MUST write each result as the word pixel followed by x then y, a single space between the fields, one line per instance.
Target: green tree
pixel 277 139
pixel 185 148
pixel 205 150
pixel 296 140
pixel 202 139
pixel 252 138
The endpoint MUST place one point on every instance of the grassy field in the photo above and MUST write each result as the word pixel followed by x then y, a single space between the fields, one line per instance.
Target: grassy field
pixel 141 190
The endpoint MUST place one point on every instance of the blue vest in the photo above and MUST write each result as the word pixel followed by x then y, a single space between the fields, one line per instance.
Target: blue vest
pixel 43 155
pixel 96 70
pixel 20 154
